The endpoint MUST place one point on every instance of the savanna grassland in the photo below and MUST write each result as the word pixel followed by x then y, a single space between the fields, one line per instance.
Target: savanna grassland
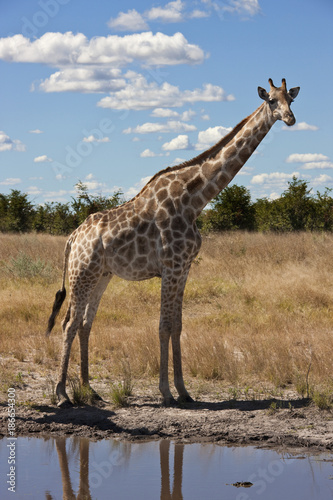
pixel 257 312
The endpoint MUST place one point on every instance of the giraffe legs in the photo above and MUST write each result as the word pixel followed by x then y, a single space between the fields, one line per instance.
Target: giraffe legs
pixel 84 330
pixel 171 326
pixel 79 317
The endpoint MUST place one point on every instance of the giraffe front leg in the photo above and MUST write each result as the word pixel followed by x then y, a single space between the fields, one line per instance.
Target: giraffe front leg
pixel 84 331
pixel 168 399
pixel 184 396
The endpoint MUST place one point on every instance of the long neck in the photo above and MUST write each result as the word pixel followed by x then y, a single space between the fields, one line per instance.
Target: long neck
pixel 214 173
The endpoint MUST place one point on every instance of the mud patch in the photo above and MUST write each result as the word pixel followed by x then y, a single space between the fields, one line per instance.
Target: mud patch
pixel 212 418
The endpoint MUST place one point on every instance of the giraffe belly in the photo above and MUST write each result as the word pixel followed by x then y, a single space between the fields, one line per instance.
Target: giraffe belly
pixel 129 264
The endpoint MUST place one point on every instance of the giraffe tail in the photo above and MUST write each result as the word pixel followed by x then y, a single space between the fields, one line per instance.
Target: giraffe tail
pixel 61 294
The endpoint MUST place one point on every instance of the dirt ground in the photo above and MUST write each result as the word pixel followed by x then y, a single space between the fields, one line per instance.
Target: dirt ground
pixel 218 415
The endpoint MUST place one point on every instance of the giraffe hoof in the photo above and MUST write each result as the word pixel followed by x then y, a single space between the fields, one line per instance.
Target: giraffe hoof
pixel 185 399
pixel 65 403
pixel 167 402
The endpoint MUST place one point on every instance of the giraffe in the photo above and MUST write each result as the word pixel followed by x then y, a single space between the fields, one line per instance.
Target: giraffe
pixel 155 235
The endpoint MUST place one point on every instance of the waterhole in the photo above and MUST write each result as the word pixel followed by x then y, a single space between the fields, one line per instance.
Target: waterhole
pixel 56 468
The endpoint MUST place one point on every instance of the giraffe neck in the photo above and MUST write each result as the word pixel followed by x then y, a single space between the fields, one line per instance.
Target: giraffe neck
pixel 214 174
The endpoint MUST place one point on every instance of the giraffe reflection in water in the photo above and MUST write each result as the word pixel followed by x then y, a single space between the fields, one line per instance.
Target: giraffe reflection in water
pixel 90 480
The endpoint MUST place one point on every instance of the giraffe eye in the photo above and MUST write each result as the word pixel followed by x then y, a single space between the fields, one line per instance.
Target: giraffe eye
pixel 272 101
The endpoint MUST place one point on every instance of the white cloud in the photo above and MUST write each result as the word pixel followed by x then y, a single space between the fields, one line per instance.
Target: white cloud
pixel 92 138
pixel 147 153
pixel 140 95
pixel 317 165
pixel 274 178
pixel 197 14
pixel 187 115
pixel 164 113
pixel 10 181
pixel 322 179
pixel 306 157
pixel 170 126
pixel 300 126
pixel 36 131
pixel 243 7
pixel 210 136
pixel 85 80
pixel 34 190
pixel 8 144
pixel 179 142
pixel 61 49
pixel 132 191
pixel 42 159
pixel 60 196
pixel 128 21
pixel 171 13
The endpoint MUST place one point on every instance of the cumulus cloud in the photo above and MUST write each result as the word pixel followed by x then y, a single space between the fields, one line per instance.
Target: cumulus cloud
pixel 85 80
pixel 322 179
pixel 317 165
pixel 274 178
pixel 140 94
pixel 42 159
pixel 36 131
pixel 306 157
pixel 179 142
pixel 92 138
pixel 164 113
pixel 243 7
pixel 170 13
pixel 10 181
pixel 210 136
pixel 300 126
pixel 61 49
pixel 128 21
pixel 169 126
pixel 8 144
pixel 147 153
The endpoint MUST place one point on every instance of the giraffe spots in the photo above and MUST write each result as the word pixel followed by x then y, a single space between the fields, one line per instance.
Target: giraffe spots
pixel 169 206
pixel 197 202
pixel 162 195
pixel 188 214
pixel 206 169
pixel 223 179
pixel 209 191
pixel 142 227
pixel 176 189
pixel 142 245
pixel 185 199
pixel 244 154
pixel 229 152
pixel 128 251
pixel 178 224
pixel 195 185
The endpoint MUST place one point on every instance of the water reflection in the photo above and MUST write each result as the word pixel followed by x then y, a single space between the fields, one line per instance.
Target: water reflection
pixel 84 488
pixel 176 493
pixel 82 469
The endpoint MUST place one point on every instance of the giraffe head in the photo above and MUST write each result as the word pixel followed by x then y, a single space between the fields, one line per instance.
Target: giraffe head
pixel 279 101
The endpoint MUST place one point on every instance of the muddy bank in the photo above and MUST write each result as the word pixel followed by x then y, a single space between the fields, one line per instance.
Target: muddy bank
pixel 285 421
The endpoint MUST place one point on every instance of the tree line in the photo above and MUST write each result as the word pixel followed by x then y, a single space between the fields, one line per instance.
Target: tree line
pixel 297 209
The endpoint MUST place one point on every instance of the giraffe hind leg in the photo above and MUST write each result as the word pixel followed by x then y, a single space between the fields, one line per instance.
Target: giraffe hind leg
pixel 85 328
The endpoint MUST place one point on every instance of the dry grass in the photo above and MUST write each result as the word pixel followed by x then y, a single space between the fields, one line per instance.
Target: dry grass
pixel 257 308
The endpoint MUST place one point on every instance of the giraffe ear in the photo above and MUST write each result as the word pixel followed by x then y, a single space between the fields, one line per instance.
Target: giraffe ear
pixel 294 92
pixel 263 94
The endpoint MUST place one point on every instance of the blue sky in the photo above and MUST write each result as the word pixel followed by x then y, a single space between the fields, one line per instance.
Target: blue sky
pixel 109 93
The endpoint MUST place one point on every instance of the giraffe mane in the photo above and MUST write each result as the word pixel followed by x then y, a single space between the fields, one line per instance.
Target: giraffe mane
pixel 205 155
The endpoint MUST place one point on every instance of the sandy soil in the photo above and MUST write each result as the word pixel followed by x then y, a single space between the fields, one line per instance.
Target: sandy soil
pixel 285 420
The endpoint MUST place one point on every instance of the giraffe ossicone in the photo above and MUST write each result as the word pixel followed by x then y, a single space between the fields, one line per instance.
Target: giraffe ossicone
pixel 155 235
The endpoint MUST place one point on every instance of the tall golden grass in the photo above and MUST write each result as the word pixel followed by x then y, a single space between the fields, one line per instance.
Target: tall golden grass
pixel 257 308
